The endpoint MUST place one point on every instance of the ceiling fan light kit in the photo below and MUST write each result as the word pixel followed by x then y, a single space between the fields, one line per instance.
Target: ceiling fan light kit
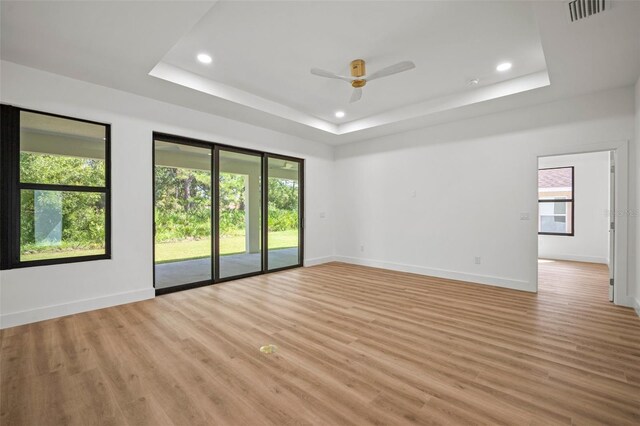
pixel 359 78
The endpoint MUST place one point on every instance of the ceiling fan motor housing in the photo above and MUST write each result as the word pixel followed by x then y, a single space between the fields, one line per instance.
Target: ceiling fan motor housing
pixel 358 70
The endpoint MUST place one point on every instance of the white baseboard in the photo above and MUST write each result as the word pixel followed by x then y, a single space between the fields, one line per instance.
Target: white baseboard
pixel 442 273
pixel 318 260
pixel 575 258
pixel 54 311
pixel 636 306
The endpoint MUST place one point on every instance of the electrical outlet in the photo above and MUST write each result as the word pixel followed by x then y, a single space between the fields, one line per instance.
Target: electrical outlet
pixel 478 260
pixel 361 248
pixel 413 194
pixel 524 216
pixel 323 215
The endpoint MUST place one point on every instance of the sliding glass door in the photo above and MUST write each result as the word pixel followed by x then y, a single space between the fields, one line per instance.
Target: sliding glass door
pixel 182 214
pixel 284 206
pixel 222 213
pixel 239 213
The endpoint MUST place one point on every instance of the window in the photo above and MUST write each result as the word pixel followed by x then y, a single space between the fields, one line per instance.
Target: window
pixel 55 206
pixel 555 201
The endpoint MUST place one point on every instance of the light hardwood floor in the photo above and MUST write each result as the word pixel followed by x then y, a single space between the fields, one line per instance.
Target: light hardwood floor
pixel 355 345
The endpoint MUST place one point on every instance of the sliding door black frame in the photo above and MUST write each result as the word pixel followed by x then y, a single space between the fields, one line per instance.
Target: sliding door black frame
pixel 263 263
pixel 197 144
pixel 215 216
pixel 265 206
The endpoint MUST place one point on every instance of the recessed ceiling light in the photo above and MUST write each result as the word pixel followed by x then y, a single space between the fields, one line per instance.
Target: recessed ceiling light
pixel 204 58
pixel 505 66
pixel 339 114
pixel 473 82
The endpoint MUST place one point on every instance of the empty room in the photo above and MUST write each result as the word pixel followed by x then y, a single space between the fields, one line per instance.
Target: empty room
pixel 319 212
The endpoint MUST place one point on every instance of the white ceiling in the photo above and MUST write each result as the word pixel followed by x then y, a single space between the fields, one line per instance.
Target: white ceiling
pixel 267 49
pixel 263 52
pixel 51 125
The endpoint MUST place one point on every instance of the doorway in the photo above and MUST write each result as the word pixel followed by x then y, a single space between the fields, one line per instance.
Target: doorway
pixel 223 213
pixel 576 227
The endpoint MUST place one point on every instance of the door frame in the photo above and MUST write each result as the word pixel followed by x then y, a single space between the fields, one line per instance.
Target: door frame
pixel 612 224
pixel 215 225
pixel 621 198
pixel 216 215
pixel 265 206
pixel 181 141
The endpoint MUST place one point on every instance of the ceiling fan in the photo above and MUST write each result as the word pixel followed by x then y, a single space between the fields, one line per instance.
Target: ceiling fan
pixel 359 78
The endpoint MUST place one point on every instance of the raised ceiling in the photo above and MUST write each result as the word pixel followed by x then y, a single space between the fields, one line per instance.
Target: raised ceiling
pixel 262 52
pixel 267 49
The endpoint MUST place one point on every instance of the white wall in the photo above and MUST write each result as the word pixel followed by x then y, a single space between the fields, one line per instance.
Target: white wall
pixel 472 180
pixel 36 293
pixel 636 209
pixel 591 227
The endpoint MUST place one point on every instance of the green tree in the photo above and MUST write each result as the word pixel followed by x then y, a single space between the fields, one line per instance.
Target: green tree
pixel 82 213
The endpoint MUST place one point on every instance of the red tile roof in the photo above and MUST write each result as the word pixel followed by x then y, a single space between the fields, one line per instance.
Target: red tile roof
pixel 554 178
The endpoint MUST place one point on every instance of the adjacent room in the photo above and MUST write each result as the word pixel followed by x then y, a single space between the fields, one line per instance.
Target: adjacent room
pixel 320 213
pixel 570 261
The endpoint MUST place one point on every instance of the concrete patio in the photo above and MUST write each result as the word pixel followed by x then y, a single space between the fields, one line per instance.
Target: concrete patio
pixel 190 271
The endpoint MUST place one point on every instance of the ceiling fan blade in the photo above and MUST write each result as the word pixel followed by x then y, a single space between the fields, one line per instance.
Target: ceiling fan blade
pixel 328 74
pixel 356 95
pixel 392 69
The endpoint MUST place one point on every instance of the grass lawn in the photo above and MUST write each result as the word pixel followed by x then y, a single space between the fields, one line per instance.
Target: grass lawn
pixel 197 249
pixel 182 250
pixel 56 254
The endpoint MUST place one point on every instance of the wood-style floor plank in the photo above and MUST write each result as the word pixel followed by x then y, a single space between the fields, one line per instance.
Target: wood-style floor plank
pixel 355 345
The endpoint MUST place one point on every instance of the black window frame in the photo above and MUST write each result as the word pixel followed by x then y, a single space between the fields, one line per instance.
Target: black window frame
pixel 571 200
pixel 11 187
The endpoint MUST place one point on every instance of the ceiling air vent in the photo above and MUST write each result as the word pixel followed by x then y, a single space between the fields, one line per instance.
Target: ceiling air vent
pixel 581 9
